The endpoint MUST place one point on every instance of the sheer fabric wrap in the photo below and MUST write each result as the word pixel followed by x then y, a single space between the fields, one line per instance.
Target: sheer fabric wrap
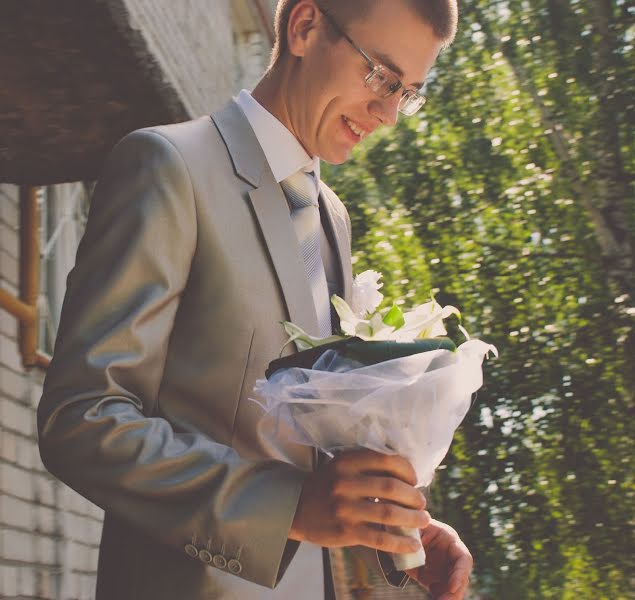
pixel 409 406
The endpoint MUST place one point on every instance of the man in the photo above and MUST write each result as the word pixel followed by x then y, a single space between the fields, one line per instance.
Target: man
pixel 193 254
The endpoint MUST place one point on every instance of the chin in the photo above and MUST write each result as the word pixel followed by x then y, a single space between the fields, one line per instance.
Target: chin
pixel 337 157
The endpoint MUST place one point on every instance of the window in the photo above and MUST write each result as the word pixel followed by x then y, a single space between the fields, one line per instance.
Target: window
pixel 63 213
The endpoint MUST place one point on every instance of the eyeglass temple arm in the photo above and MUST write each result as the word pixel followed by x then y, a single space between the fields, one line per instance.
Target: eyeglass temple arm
pixel 345 35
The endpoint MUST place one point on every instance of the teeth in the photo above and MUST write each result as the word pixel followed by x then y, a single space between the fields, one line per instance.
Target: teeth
pixel 356 130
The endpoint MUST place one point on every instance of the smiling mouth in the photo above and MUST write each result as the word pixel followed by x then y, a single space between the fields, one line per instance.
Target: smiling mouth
pixel 355 128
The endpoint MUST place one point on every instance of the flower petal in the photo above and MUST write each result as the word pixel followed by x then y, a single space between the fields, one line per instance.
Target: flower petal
pixel 365 295
pixel 348 319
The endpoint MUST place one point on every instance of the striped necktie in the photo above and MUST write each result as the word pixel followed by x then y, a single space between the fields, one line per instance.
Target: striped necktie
pixel 302 193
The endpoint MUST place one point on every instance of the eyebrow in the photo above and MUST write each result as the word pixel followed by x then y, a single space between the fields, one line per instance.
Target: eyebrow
pixel 388 62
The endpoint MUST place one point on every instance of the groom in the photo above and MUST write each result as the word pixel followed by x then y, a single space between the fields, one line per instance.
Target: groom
pixel 201 238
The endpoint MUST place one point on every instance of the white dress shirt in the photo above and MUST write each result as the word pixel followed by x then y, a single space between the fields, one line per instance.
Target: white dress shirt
pixel 285 156
pixel 283 151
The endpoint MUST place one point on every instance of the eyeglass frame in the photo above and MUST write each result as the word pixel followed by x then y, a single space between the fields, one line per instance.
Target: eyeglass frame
pixel 376 68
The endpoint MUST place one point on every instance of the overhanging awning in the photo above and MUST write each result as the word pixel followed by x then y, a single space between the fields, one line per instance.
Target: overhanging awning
pixel 74 78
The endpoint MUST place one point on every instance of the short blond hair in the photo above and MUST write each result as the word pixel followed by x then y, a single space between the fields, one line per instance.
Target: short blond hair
pixel 441 15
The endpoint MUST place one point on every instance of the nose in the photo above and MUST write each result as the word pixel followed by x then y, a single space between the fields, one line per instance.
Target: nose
pixel 386 109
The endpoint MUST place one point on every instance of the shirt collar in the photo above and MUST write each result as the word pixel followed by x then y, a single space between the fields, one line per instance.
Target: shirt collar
pixel 283 151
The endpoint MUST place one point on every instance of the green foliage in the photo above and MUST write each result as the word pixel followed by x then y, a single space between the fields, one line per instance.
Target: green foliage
pixel 474 201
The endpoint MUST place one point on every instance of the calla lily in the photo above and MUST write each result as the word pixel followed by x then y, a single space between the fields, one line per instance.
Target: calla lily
pixel 303 340
pixel 350 324
pixel 423 321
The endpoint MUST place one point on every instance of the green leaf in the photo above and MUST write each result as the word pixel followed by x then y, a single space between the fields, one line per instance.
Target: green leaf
pixel 394 317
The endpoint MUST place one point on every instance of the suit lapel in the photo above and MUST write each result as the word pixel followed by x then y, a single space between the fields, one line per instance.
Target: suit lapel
pixel 272 212
pixel 342 242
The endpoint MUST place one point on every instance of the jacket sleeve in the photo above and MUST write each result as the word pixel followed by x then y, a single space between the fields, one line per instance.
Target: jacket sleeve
pixel 99 425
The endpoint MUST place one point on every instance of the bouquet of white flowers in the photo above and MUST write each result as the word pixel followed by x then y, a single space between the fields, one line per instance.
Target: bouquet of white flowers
pixel 388 383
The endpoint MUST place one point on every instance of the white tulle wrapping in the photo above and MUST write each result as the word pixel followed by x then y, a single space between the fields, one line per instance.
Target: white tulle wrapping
pixel 409 406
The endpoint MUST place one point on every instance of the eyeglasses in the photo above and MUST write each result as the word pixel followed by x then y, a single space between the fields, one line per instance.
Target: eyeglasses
pixel 381 79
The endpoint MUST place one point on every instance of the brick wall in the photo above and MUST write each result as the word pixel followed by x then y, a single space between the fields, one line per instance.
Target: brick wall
pixel 49 535
pixel 196 46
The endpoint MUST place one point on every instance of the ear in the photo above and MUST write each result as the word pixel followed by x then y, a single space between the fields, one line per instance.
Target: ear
pixel 302 27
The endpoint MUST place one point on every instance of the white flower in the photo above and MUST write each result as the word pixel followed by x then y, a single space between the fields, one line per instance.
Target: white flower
pixel 303 340
pixel 366 297
pixel 425 321
pixel 364 321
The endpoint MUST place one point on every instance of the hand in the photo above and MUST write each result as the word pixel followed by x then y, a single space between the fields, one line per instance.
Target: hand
pixel 336 507
pixel 446 573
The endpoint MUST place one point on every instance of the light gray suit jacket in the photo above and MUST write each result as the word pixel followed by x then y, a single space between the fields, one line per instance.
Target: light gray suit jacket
pixel 188 264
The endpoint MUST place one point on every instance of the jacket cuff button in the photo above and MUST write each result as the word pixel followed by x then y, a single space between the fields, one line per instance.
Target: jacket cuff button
pixel 219 561
pixel 191 550
pixel 234 566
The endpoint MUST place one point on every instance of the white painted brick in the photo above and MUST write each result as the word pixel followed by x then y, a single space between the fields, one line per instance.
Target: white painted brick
pixel 28 451
pixel 10 354
pixel 96 527
pixel 9 268
pixel 26 581
pixel 8 324
pixel 20 450
pixel 8 575
pixel 38 465
pixel 44 489
pixel 16 481
pixel 8 286
pixel 82 558
pixel 37 376
pixel 70 589
pixel 71 500
pixel 75 556
pixel 34 392
pixel 17 417
pixel 13 384
pixel 17 545
pixel 9 194
pixel 96 512
pixel 83 529
pixel 83 506
pixel 45 550
pixel 8 445
pixel 16 513
pixel 93 558
pixel 87 587
pixel 45 520
pixel 9 240
pixel 45 584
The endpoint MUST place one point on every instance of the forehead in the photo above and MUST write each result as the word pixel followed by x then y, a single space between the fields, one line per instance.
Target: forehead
pixel 397 35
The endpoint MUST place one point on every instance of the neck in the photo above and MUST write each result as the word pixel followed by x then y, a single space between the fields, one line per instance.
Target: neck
pixel 272 93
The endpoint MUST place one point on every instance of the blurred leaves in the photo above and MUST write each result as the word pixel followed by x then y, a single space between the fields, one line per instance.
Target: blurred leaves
pixel 511 196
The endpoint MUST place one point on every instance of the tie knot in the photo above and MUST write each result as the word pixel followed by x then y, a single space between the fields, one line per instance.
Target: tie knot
pixel 301 190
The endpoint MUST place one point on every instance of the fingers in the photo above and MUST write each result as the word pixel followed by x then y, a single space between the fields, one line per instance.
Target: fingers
pixel 386 488
pixel 368 461
pixel 386 541
pixel 452 558
pixel 439 534
pixel 334 508
pixel 381 513
pixel 460 575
